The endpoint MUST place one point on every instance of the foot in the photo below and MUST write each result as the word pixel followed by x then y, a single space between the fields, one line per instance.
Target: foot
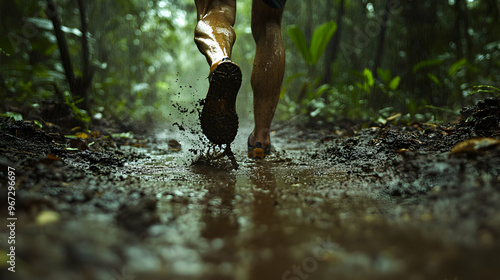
pixel 219 121
pixel 257 151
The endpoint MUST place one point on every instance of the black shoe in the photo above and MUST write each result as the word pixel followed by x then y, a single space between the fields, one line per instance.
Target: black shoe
pixel 219 121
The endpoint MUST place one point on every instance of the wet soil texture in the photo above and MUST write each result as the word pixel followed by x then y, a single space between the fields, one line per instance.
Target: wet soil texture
pixel 394 201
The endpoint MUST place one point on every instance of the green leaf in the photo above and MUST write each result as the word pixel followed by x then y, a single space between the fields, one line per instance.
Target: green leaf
pixel 368 77
pixel 320 39
pixel 2 51
pixel 394 83
pixel 37 123
pixel 299 40
pixel 13 115
pixel 427 63
pixel 321 90
pixel 434 79
pixel 126 135
pixel 456 66
pixel 385 75
pixel 484 88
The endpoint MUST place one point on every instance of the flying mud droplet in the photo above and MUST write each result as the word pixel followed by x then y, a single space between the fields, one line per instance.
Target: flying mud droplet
pixel 215 153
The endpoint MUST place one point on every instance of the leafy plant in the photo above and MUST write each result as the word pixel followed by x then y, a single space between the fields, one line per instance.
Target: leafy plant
pixel 485 89
pixel 320 39
pixel 310 98
pixel 12 115
pixel 368 81
pixel 392 83
pixel 5 53
pixel 80 114
pixel 457 65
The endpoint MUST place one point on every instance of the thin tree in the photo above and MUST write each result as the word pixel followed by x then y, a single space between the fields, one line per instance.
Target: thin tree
pixel 334 45
pixel 79 86
pixel 381 38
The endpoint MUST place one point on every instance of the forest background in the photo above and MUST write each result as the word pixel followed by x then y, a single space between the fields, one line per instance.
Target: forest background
pixel 138 64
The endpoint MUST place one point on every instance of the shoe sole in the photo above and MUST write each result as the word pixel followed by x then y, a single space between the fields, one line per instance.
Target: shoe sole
pixel 257 153
pixel 219 121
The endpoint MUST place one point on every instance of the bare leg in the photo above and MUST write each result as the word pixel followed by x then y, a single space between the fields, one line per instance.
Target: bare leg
pixel 268 68
pixel 214 34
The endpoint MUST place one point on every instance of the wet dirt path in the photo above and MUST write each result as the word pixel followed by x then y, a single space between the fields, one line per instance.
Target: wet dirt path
pixel 300 214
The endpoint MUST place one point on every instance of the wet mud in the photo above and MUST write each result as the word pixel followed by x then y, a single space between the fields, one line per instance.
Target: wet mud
pixel 394 201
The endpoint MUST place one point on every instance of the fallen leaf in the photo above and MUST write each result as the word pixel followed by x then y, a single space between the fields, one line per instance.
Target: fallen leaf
pixel 393 117
pixel 81 135
pixel 47 217
pixel 476 146
pixel 52 157
pixel 139 145
pixel 49 159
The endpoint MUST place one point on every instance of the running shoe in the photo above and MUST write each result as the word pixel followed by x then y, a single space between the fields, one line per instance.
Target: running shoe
pixel 219 121
pixel 257 151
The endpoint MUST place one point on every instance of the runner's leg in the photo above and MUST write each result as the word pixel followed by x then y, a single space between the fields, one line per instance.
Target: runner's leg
pixel 268 68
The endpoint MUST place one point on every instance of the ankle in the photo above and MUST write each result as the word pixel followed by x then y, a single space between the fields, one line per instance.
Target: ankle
pixel 263 138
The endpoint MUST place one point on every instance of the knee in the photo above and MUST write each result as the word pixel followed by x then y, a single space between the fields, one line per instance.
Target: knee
pixel 214 27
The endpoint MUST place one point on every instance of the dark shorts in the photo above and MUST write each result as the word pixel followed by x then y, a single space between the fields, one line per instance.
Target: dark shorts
pixel 276 4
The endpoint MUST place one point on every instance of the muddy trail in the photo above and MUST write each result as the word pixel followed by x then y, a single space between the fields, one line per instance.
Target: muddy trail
pixel 394 201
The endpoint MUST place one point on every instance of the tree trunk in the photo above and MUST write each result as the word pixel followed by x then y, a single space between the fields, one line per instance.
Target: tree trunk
pixel 87 71
pixel 421 30
pixel 333 47
pixel 465 30
pixel 78 86
pixel 381 39
pixel 62 44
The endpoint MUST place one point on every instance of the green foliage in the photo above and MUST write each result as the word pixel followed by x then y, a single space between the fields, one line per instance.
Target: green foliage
pixel 141 51
pixel 320 39
pixel 327 102
pixel 456 66
pixel 12 115
pixel 434 79
pixel 37 123
pixel 3 52
pixel 394 83
pixel 300 42
pixel 427 63
pixel 368 81
pixel 391 82
pixel 485 89
pixel 80 114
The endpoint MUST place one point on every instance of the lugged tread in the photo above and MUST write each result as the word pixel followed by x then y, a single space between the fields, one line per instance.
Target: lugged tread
pixel 219 121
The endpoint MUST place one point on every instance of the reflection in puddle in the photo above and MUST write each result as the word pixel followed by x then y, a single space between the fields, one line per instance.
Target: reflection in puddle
pixel 268 241
pixel 220 226
pixel 279 219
